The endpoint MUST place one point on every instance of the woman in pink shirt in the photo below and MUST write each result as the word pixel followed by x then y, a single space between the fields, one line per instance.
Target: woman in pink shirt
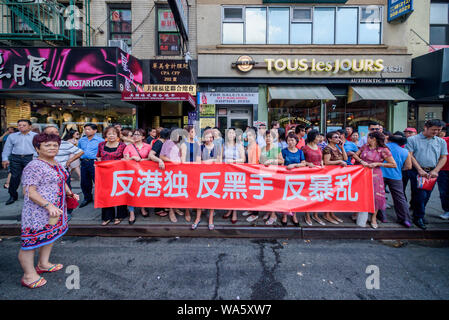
pixel 137 151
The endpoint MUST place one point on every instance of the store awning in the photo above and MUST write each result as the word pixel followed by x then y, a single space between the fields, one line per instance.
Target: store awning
pixel 300 93
pixel 358 93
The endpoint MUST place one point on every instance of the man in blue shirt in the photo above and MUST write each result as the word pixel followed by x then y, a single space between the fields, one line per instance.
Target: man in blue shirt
pixel 349 146
pixel 393 177
pixel 17 153
pixel 89 144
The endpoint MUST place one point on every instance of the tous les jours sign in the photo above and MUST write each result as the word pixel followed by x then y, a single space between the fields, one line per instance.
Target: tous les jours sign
pixel 314 65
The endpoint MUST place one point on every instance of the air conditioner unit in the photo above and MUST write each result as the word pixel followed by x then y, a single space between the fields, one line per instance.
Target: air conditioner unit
pixel 119 43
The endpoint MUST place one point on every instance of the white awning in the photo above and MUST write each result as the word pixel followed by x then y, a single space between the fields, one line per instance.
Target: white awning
pixel 300 93
pixel 358 93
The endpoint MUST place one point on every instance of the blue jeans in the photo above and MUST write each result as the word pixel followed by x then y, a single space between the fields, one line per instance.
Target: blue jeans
pixel 443 187
pixel 420 197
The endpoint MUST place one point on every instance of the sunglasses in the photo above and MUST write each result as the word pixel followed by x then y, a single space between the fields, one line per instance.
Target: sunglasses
pixel 375 129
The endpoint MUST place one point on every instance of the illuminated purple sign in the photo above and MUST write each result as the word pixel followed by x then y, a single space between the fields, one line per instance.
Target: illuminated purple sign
pixel 65 69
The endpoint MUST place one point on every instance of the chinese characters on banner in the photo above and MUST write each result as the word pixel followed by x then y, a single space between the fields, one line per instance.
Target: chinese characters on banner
pixel 239 187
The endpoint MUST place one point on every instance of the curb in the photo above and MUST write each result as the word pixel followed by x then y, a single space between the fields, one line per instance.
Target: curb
pixel 163 230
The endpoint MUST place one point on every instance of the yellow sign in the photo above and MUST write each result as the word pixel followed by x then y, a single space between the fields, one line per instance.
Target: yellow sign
pixel 189 88
pixel 314 65
pixel 207 122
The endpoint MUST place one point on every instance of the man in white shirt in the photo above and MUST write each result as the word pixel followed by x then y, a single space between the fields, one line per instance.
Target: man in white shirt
pixel 17 153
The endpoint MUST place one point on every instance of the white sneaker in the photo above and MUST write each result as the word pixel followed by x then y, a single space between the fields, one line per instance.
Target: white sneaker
pixel 445 216
pixel 245 213
pixel 252 218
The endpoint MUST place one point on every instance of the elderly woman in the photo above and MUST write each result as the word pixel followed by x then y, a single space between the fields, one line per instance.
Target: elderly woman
pixel 44 213
pixel 112 149
pixel 137 151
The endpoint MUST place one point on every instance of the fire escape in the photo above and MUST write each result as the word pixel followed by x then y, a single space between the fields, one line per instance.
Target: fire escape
pixel 37 22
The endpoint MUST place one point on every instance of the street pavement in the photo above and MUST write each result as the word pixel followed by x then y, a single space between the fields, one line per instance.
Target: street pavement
pixel 10 215
pixel 234 269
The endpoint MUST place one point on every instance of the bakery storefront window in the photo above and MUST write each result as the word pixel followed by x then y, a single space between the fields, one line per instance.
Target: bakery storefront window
pixel 67 115
pixel 305 112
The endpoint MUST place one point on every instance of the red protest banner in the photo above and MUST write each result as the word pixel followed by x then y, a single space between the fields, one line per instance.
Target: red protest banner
pixel 230 186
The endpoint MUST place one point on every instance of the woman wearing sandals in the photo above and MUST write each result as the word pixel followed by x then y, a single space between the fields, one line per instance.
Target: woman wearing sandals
pixel 334 154
pixel 372 155
pixel 45 190
pixel 190 153
pixel 170 152
pixel 137 151
pixel 293 158
pixel 232 153
pixel 314 158
pixel 210 153
pixel 111 149
pixel 271 155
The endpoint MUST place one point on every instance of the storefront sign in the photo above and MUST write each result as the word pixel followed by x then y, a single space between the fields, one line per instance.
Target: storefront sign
pixel 237 187
pixel 99 69
pixel 304 66
pixel 191 88
pixel 379 81
pixel 158 96
pixel 207 110
pixel 314 65
pixel 229 98
pixel 244 64
pixel 399 8
pixel 170 72
pixel 207 122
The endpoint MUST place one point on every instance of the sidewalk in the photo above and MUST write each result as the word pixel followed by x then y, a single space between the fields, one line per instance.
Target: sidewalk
pixel 86 222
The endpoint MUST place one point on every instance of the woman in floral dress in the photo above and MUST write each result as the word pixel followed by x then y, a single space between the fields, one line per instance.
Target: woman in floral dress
pixel 45 190
pixel 375 154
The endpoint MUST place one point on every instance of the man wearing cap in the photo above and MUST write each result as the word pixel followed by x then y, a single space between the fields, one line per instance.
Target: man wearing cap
pixel 410 132
pixel 429 153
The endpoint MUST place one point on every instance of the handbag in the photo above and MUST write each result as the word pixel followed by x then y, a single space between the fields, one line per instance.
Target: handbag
pixel 72 203
pixel 426 183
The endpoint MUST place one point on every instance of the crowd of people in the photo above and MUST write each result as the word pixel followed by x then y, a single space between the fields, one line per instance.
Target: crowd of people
pixel 44 164
pixel 395 159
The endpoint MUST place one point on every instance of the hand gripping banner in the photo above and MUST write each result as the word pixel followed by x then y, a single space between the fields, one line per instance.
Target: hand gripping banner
pixel 231 186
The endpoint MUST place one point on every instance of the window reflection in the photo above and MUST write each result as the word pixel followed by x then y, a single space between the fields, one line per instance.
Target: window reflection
pixel 278 25
pixel 369 33
pixel 301 33
pixel 233 33
pixel 346 28
pixel 256 27
pixel 323 21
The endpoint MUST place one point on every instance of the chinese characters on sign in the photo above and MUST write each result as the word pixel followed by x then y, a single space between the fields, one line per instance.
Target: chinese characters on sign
pixel 36 72
pixel 221 186
pixel 170 88
pixel 170 72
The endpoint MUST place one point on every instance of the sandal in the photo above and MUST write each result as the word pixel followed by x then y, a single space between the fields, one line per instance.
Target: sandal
pixel 331 220
pixel 374 225
pixel 271 221
pixel 36 284
pixel 143 215
pixel 319 221
pixel 179 212
pixel 53 268
pixel 195 225
pixel 117 221
pixel 211 227
pixel 162 213
pixel 174 220
pixel 105 223
pixel 338 219
pixel 308 222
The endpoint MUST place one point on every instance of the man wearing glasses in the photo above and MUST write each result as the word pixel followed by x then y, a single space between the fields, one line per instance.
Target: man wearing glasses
pixel 373 126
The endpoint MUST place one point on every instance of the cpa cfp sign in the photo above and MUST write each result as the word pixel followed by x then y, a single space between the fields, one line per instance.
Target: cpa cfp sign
pixel 246 64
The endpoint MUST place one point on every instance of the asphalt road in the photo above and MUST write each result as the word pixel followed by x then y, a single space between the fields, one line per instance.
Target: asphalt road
pixel 233 269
